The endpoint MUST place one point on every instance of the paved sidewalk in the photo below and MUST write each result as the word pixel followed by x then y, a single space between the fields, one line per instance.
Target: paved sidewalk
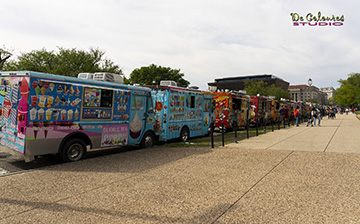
pixel 339 135
pixel 297 175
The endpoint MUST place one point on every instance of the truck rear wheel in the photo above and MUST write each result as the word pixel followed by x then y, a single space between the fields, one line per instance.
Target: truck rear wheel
pixel 73 150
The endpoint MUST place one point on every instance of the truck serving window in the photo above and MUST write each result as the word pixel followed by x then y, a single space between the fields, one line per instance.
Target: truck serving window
pixel 237 104
pixel 97 97
pixel 192 104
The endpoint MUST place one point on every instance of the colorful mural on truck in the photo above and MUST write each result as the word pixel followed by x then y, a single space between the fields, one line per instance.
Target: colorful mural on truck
pixel 49 110
pixel 230 108
pixel 14 94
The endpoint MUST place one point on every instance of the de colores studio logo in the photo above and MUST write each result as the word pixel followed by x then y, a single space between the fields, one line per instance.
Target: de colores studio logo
pixel 317 20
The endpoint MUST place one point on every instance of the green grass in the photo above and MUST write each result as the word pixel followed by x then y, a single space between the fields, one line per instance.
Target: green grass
pixel 229 137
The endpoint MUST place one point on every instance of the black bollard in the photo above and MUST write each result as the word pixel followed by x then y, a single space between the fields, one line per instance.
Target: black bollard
pixel 289 121
pixel 257 126
pixel 264 123
pixel 223 133
pixel 279 124
pixel 272 125
pixel 212 134
pixel 235 127
pixel 284 123
pixel 247 128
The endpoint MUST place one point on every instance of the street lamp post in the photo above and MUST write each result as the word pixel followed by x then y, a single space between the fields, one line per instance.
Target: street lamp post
pixel 310 83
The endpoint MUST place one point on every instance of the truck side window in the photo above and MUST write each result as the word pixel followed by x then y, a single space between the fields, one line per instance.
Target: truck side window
pixel 98 97
pixel 106 98
pixel 237 104
pixel 192 105
pixel 150 105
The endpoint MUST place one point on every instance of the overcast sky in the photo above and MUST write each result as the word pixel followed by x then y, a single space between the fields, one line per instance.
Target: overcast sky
pixel 204 39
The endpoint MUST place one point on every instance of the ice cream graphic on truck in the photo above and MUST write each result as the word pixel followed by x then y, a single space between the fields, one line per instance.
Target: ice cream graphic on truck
pixel 51 114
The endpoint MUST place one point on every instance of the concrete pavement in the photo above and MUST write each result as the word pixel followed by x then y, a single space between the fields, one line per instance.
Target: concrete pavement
pixel 296 175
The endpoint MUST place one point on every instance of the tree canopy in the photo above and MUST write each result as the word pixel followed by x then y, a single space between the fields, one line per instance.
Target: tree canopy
pixel 146 75
pixel 348 94
pixel 4 56
pixel 260 87
pixel 68 62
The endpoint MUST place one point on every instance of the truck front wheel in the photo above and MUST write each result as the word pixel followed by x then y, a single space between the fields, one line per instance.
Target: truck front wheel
pixel 147 141
pixel 73 150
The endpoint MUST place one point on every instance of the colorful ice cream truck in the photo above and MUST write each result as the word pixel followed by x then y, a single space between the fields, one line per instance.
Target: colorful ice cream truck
pixel 181 113
pixel 231 107
pixel 51 114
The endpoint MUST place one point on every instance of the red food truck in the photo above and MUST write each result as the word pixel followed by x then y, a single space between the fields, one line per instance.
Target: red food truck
pixel 260 109
pixel 231 107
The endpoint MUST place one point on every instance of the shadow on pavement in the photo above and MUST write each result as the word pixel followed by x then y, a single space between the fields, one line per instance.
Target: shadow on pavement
pixel 128 160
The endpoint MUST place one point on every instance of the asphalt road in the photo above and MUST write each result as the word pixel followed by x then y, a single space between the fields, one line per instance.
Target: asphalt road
pixel 10 164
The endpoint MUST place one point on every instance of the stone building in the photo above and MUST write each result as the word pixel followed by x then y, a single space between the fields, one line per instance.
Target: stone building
pixel 330 91
pixel 305 93
pixel 238 82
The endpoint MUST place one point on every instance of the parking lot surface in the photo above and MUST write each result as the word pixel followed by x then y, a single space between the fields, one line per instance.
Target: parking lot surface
pixel 294 175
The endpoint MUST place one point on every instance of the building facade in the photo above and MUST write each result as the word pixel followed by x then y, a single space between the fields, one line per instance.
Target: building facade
pixel 305 93
pixel 238 83
pixel 330 91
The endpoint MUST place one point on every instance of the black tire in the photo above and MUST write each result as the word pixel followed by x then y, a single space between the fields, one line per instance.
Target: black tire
pixel 73 150
pixel 148 140
pixel 184 134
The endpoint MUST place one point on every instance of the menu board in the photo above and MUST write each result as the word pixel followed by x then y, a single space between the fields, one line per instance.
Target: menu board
pixel 177 107
pixel 51 101
pixel 122 105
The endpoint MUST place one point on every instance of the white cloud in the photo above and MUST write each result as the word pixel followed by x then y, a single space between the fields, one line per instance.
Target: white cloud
pixel 205 39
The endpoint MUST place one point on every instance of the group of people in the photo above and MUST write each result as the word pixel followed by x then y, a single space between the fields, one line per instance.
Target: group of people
pixel 314 115
pixel 284 115
pixel 331 112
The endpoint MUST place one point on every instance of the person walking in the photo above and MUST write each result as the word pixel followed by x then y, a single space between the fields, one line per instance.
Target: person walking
pixel 282 115
pixel 297 115
pixel 310 117
pixel 316 116
pixel 287 117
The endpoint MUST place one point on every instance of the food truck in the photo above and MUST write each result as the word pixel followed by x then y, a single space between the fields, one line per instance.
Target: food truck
pixel 275 110
pixel 181 113
pixel 51 114
pixel 231 107
pixel 260 109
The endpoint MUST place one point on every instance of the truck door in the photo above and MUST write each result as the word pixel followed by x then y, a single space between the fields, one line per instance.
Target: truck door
pixel 207 115
pixel 137 118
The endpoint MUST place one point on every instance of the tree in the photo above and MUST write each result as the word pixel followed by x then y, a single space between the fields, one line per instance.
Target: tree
pixel 146 75
pixel 4 56
pixel 348 94
pixel 68 62
pixel 260 87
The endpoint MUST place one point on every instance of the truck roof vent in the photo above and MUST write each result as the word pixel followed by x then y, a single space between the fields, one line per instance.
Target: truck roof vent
pixel 108 77
pixel 85 75
pixel 193 87
pixel 167 83
pixel 212 88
